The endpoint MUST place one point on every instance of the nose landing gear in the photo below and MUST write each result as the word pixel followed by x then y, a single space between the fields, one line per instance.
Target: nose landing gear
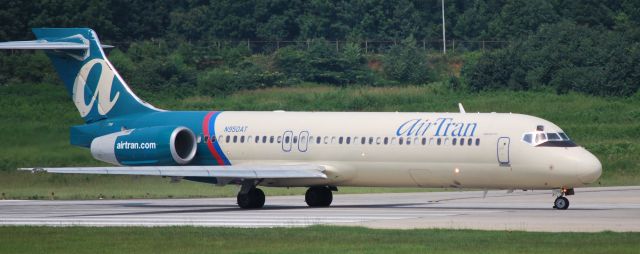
pixel 561 202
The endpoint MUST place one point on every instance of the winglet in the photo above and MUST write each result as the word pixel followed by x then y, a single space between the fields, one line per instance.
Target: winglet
pixel 461 108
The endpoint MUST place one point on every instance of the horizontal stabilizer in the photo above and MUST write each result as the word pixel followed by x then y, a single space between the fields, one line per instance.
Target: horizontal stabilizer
pixel 241 172
pixel 44 44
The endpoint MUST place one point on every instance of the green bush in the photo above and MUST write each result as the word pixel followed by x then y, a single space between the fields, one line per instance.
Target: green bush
pixel 26 67
pixel 153 65
pixel 406 63
pixel 294 62
pixel 322 63
pixel 565 57
pixel 222 81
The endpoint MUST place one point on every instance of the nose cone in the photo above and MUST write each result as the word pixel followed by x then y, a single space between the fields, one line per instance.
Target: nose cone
pixel 590 168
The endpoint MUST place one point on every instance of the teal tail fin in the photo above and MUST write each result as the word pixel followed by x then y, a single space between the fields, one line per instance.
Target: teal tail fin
pixel 95 86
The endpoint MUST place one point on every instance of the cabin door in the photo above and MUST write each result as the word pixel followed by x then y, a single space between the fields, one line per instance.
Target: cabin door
pixel 503 150
pixel 303 141
pixel 287 139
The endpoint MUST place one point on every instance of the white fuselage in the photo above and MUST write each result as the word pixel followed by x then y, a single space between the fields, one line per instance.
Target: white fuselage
pixel 430 155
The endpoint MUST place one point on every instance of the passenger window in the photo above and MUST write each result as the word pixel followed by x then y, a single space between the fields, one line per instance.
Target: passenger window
pixel 400 140
pixel 227 139
pixel 279 139
pixel 206 139
pixel 386 140
pixel 340 139
pixel 477 141
pixel 257 139
pixel 326 140
pixel 363 140
pixel 461 141
pixel 264 139
pixel 295 139
pixel 439 141
pixel 370 140
pixel 378 140
pixel 318 139
pixel 408 141
pixel 424 141
pixel 469 141
pixel 241 139
pixel 348 140
pixel 286 140
pixel 235 139
pixel 453 142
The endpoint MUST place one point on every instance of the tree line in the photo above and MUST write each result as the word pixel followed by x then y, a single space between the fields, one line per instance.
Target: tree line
pixel 587 46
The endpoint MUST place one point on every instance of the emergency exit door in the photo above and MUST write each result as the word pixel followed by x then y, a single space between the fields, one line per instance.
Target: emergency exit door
pixel 503 150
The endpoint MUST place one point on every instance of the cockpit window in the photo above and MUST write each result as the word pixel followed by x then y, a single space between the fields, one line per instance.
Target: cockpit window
pixel 552 139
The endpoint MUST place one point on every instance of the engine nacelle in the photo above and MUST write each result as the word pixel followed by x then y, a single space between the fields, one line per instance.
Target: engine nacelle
pixel 161 145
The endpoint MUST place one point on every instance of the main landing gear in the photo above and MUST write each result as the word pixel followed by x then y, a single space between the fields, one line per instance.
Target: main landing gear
pixel 319 196
pixel 251 197
pixel 561 202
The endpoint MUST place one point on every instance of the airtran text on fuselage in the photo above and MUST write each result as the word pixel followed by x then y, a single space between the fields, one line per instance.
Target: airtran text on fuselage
pixel 440 127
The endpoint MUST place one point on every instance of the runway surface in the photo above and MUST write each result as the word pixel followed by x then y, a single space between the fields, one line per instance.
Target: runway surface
pixel 591 209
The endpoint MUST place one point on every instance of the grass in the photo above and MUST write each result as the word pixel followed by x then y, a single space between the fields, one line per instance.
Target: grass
pixel 35 123
pixel 316 239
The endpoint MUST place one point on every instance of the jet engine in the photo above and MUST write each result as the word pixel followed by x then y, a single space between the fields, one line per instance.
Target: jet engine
pixel 160 145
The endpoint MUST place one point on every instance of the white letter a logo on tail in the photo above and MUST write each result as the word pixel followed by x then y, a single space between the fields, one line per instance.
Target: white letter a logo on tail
pixel 102 91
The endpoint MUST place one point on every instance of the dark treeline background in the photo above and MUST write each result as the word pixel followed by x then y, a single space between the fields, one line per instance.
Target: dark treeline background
pixel 587 46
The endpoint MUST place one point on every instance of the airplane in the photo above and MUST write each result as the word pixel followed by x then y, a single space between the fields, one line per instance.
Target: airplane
pixel 318 150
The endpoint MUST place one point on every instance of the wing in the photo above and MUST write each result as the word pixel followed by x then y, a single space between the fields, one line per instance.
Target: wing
pixel 241 171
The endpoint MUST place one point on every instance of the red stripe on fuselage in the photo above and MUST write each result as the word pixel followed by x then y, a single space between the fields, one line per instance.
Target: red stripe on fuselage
pixel 205 129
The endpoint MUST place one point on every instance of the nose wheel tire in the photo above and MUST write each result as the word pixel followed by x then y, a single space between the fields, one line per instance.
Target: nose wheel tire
pixel 318 197
pixel 254 198
pixel 561 203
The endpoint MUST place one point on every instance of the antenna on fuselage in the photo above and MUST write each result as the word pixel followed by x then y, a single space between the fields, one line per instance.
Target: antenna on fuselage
pixel 461 108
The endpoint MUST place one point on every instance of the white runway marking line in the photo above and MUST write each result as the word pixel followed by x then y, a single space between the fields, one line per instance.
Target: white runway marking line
pixel 238 218
pixel 233 225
